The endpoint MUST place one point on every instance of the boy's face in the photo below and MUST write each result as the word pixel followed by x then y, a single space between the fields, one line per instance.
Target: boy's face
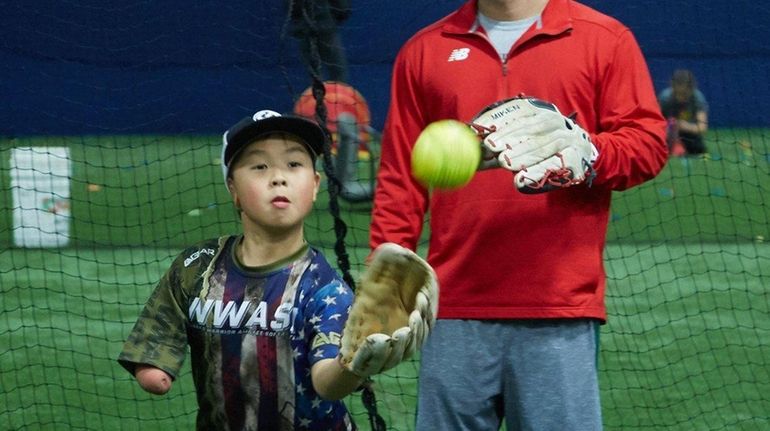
pixel 274 182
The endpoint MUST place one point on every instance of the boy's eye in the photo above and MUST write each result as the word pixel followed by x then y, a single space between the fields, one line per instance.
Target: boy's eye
pixel 259 166
pixel 295 164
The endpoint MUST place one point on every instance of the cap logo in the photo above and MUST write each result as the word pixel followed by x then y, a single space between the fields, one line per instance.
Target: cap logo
pixel 265 113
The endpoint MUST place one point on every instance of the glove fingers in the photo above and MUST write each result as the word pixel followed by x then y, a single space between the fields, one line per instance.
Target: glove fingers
pixel 526 151
pixel 420 330
pixel 540 123
pixel 401 347
pixel 574 162
pixel 570 159
pixel 532 177
pixel 545 123
pixel 430 291
pixel 427 305
pixel 371 355
pixel 423 318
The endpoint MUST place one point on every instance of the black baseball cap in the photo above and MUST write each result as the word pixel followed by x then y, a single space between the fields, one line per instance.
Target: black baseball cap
pixel 266 122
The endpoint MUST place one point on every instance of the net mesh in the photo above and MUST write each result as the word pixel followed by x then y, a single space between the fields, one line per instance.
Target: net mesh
pixel 102 186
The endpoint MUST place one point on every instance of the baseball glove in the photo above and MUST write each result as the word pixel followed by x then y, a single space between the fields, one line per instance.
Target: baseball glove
pixel 546 149
pixel 393 312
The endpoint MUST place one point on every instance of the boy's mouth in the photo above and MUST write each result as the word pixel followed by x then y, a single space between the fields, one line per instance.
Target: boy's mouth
pixel 281 201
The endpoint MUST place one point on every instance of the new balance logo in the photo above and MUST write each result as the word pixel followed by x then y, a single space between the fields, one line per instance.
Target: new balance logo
pixel 459 54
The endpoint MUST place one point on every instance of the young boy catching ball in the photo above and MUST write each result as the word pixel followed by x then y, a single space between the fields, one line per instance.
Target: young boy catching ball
pixel 263 312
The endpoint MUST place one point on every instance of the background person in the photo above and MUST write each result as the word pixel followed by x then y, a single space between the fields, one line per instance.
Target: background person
pixel 316 22
pixel 686 110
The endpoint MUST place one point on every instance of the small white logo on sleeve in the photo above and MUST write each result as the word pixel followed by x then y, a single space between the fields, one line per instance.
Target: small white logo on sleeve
pixel 459 54
pixel 265 113
pixel 193 257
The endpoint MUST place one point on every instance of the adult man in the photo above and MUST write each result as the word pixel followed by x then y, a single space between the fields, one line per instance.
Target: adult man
pixel 522 274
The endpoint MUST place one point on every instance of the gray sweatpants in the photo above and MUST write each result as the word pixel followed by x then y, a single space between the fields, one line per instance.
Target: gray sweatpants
pixel 537 374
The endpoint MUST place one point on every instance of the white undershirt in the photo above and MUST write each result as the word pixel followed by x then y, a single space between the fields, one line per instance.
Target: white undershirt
pixel 503 34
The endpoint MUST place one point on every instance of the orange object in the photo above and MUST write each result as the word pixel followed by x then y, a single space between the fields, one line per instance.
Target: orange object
pixel 339 98
pixel 677 149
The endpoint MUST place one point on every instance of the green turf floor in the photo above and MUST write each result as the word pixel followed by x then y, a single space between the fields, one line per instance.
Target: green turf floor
pixel 687 345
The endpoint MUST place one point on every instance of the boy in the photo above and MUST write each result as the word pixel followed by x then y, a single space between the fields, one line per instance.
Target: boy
pixel 262 312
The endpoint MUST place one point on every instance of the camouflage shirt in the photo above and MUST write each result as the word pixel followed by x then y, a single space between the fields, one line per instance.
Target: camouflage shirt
pixel 254 334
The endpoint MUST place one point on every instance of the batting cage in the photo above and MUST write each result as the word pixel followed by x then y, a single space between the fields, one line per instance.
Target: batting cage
pixel 111 127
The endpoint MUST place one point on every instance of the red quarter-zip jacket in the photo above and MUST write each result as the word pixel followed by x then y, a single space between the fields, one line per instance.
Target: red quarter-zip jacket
pixel 498 253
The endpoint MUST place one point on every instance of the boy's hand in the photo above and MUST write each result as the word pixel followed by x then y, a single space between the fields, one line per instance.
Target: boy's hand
pixel 393 313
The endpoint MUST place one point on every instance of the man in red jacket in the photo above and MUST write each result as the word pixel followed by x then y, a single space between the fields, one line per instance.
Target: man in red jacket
pixel 521 275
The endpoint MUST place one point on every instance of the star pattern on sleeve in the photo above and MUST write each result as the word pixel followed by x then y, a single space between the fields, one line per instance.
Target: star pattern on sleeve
pixel 316 403
pixel 329 300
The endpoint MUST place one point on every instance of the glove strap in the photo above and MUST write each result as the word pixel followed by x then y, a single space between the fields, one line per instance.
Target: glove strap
pixel 482 131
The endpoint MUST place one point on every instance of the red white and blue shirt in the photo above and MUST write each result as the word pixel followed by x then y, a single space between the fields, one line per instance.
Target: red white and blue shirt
pixel 253 333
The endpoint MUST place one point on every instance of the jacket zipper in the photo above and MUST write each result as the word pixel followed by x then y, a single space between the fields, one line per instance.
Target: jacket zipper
pixel 503 63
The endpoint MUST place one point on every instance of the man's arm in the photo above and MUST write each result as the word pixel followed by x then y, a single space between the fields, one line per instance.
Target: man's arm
pixel 399 201
pixel 632 138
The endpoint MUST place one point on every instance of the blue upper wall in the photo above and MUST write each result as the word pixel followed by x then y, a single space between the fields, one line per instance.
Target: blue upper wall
pixel 106 67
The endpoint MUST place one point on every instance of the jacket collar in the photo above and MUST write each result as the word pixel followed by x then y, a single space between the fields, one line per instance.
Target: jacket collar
pixel 556 18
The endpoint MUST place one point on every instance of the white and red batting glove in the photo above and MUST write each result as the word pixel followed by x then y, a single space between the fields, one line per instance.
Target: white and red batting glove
pixel 393 312
pixel 529 136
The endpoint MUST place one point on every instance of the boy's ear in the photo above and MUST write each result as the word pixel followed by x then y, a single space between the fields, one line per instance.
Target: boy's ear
pixel 233 194
pixel 317 185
